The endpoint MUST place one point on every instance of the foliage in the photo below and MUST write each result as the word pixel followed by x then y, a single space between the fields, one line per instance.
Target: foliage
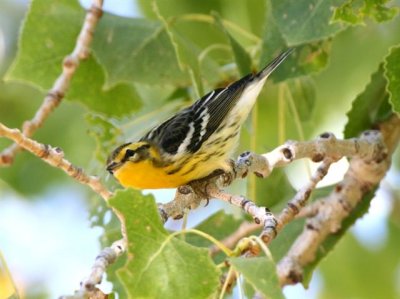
pixel 142 70
pixel 159 265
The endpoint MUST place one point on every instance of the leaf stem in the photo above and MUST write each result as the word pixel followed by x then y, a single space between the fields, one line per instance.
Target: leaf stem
pixel 209 19
pixel 281 115
pixel 213 47
pixel 253 147
pixel 263 246
pixel 298 124
pixel 226 282
pixel 210 238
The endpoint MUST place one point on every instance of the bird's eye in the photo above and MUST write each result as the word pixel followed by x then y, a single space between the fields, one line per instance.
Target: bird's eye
pixel 129 153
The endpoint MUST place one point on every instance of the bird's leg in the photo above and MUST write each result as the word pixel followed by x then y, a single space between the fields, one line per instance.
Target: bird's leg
pixel 251 162
pixel 200 186
pixel 229 175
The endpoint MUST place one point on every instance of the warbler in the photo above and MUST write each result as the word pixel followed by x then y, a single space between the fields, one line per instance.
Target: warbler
pixel 193 143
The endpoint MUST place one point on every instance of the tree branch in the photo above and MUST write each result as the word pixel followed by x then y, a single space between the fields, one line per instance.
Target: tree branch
pixel 55 157
pixel 61 85
pixel 325 148
pixel 363 176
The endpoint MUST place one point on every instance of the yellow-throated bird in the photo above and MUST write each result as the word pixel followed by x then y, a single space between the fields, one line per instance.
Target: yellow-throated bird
pixel 195 142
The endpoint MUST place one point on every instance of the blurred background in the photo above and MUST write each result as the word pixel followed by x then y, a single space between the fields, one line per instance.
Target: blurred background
pixel 48 242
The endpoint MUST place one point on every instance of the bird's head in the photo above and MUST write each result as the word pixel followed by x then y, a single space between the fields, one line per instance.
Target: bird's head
pixel 131 154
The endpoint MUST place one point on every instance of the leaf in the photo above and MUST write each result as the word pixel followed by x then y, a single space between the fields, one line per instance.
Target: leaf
pixel 303 92
pixel 48 35
pixel 304 21
pixel 102 217
pixel 273 190
pixel 305 59
pixel 359 260
pixel 284 241
pixel 348 13
pixel 260 272
pixel 369 107
pixel 159 266
pixel 392 74
pixel 105 133
pixel 356 11
pixel 119 100
pixel 377 10
pixel 219 225
pixel 242 58
pixel 247 15
pixel 149 55
pixel 187 62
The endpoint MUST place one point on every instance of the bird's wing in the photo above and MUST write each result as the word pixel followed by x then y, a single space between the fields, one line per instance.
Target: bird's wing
pixel 187 130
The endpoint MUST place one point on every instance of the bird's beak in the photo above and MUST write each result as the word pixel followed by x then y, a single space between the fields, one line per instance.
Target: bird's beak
pixel 112 166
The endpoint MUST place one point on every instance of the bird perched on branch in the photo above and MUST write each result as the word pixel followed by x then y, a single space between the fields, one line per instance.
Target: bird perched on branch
pixel 193 143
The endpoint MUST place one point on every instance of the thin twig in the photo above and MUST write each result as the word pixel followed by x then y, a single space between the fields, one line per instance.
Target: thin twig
pixel 61 84
pixel 271 229
pixel 295 205
pixel 245 229
pixel 55 157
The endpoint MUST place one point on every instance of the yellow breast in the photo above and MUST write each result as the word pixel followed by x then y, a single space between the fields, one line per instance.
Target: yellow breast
pixel 144 175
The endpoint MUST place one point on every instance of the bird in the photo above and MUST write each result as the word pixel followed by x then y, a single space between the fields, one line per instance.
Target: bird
pixel 195 142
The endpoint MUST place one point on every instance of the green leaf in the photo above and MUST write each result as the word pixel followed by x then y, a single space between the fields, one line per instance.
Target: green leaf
pixel 348 13
pixel 357 11
pixel 147 56
pixel 274 189
pixel 48 35
pixel 153 54
pixel 159 266
pixel 242 58
pixel 105 133
pixel 260 272
pixel 377 10
pixel 303 92
pixel 369 107
pixel 87 88
pixel 392 73
pixel 306 59
pixel 284 241
pixel 248 16
pixel 102 217
pixel 304 21
pixel 383 260
pixel 219 225
pixel 188 62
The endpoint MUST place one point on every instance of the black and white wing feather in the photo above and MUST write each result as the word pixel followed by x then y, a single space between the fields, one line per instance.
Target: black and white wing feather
pixel 191 127
pixel 187 130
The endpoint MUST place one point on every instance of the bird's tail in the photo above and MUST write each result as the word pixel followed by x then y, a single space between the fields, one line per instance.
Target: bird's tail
pixel 265 72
